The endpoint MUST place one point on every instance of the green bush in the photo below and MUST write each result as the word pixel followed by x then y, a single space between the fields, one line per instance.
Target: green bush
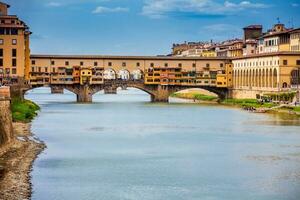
pixel 23 110
pixel 248 103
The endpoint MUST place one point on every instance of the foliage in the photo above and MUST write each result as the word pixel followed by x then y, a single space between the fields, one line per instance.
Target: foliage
pixel 287 96
pixel 248 103
pixel 297 108
pixel 23 110
pixel 194 95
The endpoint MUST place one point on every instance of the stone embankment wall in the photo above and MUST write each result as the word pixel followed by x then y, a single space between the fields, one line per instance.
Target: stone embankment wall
pixel 6 129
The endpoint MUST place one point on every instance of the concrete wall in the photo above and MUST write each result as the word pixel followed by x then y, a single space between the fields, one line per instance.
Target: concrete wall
pixel 245 94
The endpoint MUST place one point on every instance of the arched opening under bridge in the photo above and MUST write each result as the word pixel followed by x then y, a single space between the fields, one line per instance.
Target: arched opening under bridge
pixel 131 94
pixel 43 95
pixel 193 95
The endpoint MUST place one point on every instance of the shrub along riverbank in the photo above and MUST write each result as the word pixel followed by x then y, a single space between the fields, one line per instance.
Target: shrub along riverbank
pixel 23 110
pixel 248 103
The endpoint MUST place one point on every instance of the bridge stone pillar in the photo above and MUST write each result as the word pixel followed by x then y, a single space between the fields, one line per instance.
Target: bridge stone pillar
pixel 162 94
pixel 84 94
pixel 56 90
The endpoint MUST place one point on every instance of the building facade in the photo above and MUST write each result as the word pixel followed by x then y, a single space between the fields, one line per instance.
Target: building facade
pixel 264 73
pixel 47 69
pixel 14 46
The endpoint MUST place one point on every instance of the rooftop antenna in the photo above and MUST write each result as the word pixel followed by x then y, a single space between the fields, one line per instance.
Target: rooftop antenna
pixel 278 20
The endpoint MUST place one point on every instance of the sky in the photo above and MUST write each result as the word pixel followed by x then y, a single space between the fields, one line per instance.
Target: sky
pixel 143 27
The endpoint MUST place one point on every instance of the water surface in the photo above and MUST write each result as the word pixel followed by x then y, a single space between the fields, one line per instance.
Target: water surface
pixel 123 147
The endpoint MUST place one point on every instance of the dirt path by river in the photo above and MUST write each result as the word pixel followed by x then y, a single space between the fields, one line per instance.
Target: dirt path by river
pixel 16 161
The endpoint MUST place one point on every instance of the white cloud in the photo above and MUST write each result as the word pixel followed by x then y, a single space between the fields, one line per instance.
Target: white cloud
pixel 221 28
pixel 160 8
pixel 101 9
pixel 54 4
pixel 295 4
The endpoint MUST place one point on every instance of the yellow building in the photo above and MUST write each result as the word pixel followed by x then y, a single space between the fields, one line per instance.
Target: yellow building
pixel 85 75
pixel 209 53
pixel 14 46
pixel 236 49
pixel 224 77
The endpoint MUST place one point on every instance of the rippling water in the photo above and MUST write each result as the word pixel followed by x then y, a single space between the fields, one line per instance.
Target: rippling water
pixel 123 147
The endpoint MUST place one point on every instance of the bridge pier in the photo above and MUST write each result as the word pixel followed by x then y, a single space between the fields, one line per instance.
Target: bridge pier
pixel 57 90
pixel 84 94
pixel 162 94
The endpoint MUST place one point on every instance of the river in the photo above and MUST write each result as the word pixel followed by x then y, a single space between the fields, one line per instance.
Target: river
pixel 123 147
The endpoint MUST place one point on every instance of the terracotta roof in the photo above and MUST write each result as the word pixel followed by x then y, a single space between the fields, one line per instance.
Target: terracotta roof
pixel 35 56
pixel 282 53
pixel 5 4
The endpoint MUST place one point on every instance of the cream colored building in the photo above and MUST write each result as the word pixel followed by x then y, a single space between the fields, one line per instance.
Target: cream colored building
pixel 295 40
pixel 262 73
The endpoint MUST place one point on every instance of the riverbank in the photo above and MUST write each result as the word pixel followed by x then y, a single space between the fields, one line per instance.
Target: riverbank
pixel 17 157
pixel 248 104
pixel 196 96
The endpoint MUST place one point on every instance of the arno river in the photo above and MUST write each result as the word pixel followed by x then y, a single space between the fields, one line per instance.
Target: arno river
pixel 123 147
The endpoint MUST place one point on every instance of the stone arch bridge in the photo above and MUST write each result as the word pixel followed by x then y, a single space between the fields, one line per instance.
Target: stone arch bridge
pixel 84 93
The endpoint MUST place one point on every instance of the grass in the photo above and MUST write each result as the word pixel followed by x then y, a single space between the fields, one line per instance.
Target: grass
pixel 248 103
pixel 23 110
pixel 297 108
pixel 194 95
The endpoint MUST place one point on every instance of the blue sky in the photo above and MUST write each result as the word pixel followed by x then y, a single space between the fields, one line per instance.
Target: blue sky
pixel 142 27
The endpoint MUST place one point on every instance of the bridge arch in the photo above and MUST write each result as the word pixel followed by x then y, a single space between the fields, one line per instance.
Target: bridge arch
pixel 124 74
pixel 137 74
pixel 109 74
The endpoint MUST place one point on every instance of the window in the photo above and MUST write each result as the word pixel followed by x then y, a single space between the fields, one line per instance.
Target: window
pixel 109 64
pixel 1 52
pixel 81 63
pixel 14 52
pixel 123 64
pixel 14 41
pixel 151 64
pixel 33 62
pixel 46 69
pixel 52 62
pixel 179 64
pixel 207 65
pixel 95 63
pixel 166 64
pixel 14 62
pixel 67 63
pixel 1 62
pixel 221 65
pixel 40 69
pixel 298 62
pixel 285 62
pixel 14 31
pixel 32 69
pixel 138 64
pixel 194 65
pixel 14 71
pixel 1 41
